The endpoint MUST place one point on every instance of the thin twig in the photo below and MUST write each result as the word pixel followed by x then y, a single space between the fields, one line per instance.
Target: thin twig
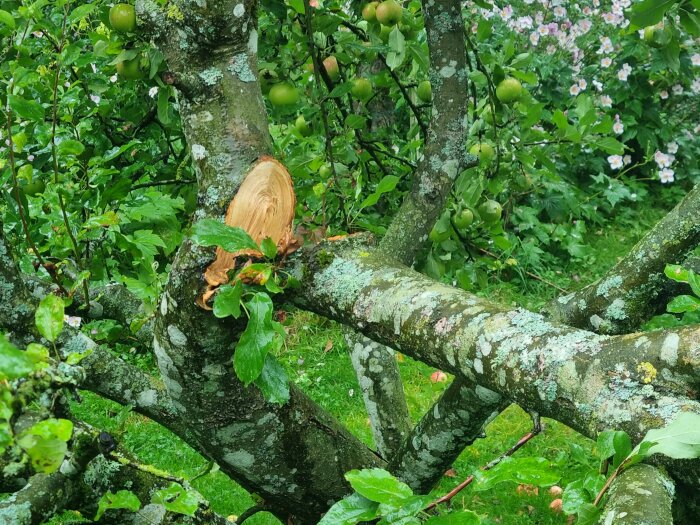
pixel 54 154
pixel 451 494
pixel 530 274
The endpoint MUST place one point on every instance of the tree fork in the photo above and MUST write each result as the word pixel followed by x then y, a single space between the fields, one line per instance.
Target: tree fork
pixel 293 456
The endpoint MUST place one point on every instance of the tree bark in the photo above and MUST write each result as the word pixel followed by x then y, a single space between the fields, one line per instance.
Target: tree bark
pixel 641 495
pixel 587 381
pixel 293 456
pixel 444 158
pixel 628 294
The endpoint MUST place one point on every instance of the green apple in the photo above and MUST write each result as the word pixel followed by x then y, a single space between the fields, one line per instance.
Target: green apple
pixel 303 127
pixel 122 18
pixel 484 151
pixel 424 91
pixel 361 88
pixel 509 90
pixel 389 12
pixel 490 211
pixel 283 94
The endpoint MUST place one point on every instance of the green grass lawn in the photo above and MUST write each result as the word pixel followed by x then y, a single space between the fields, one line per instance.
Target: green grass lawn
pixel 316 359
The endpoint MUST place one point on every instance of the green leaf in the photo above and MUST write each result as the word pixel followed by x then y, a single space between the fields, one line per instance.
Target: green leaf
pixel 341 89
pixel 460 517
pixel 350 510
pixel 608 145
pixel 80 12
pixel 690 21
pixel 163 105
pixel 484 30
pixel 124 499
pixel 7 19
pixel 386 185
pixel 588 514
pixel 650 12
pixel 269 248
pixel 228 301
pixel 694 282
pixel 13 362
pixel 210 232
pixel 614 444
pixel 677 273
pixel 410 507
pixel 176 499
pixel 70 147
pixel 683 303
pixel 257 339
pixel 273 382
pixel 530 471
pixel 61 429
pixel 49 317
pixel 27 109
pixel 46 443
pixel 679 440
pixel 397 44
pixel 379 485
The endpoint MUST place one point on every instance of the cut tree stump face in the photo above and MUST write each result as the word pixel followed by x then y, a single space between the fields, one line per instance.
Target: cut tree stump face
pixel 263 207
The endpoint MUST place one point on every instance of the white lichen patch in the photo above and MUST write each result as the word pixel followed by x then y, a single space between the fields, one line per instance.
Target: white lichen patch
pixel 176 336
pixel 241 459
pixel 147 398
pixel 669 349
pixel 199 152
pixel 253 41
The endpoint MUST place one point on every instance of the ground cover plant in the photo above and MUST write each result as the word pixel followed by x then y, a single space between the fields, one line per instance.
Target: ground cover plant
pixel 335 262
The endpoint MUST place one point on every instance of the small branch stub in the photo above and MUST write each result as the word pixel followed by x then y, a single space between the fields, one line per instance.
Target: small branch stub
pixel 263 207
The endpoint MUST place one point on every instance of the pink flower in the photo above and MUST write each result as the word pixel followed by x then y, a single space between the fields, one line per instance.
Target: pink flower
pixel 695 59
pixel 663 95
pixel 615 161
pixel 666 175
pixel 606 101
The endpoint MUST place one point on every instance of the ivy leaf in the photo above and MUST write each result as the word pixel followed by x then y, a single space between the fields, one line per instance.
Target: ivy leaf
pixel 210 232
pixel 350 510
pixel 13 362
pixel 527 471
pixel 379 485
pixel 679 440
pixel 461 517
pixel 49 317
pixel 257 339
pixel 273 382
pixel 124 499
pixel 176 499
pixel 228 301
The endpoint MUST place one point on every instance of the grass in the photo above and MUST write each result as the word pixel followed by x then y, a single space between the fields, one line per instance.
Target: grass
pixel 316 359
